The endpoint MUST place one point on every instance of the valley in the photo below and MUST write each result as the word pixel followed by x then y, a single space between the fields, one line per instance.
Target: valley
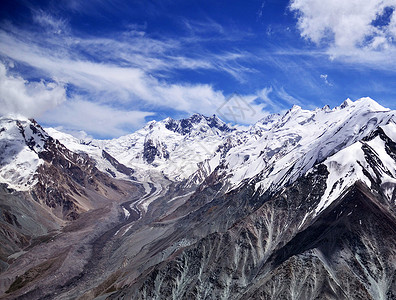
pixel 299 206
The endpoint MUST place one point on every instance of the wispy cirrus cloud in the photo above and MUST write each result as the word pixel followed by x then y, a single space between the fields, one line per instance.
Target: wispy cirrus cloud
pixel 128 69
pixel 197 28
pixel 50 23
pixel 110 82
pixel 160 64
pixel 131 48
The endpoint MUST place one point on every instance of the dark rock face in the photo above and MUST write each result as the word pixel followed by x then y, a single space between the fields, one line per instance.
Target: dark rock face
pixel 239 232
pixel 21 220
pixel 279 251
pixel 206 241
pixel 10 218
pixel 149 151
pixel 353 236
pixel 172 125
pixel 66 184
pixel 65 178
pixel 185 126
pixel 117 165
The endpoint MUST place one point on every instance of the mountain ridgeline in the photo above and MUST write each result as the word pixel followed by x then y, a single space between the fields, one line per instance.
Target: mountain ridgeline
pixel 297 206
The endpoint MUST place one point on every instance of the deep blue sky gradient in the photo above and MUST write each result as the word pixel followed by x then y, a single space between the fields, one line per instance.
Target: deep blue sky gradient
pixel 273 55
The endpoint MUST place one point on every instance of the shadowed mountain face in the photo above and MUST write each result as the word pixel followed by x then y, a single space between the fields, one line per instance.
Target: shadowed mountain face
pixel 187 126
pixel 299 206
pixel 63 186
pixel 347 252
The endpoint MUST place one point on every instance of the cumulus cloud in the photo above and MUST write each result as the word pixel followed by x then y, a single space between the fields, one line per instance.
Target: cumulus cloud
pixel 30 99
pixel 98 119
pixel 346 23
pixel 348 27
pixel 48 102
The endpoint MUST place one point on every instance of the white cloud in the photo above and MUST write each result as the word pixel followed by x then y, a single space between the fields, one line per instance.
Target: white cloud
pixel 348 28
pixel 208 26
pixel 49 22
pixel 349 23
pixel 110 83
pixel 47 101
pixel 248 109
pixel 326 81
pixel 30 99
pixel 98 119
pixel 287 97
pixel 116 77
pixel 265 96
pixel 242 109
pixel 115 81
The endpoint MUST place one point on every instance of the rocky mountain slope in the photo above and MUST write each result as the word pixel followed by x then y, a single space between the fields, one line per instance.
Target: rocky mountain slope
pixel 299 206
pixel 171 147
pixel 44 184
pixel 328 235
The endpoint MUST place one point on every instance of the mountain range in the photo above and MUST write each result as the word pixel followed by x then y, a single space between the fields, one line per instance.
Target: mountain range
pixel 300 205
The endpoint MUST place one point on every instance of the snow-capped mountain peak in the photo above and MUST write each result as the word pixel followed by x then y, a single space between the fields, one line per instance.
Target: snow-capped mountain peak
pixel 172 147
pixel 278 144
pixel 300 193
pixel 21 141
pixel 196 124
pixel 281 148
pixel 365 103
pixel 346 103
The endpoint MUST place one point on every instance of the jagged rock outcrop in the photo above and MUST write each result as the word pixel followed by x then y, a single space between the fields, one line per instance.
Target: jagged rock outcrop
pixel 326 234
pixel 44 185
pixel 298 206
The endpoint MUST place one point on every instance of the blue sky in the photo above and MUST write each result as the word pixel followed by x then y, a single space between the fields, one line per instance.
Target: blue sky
pixel 107 67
